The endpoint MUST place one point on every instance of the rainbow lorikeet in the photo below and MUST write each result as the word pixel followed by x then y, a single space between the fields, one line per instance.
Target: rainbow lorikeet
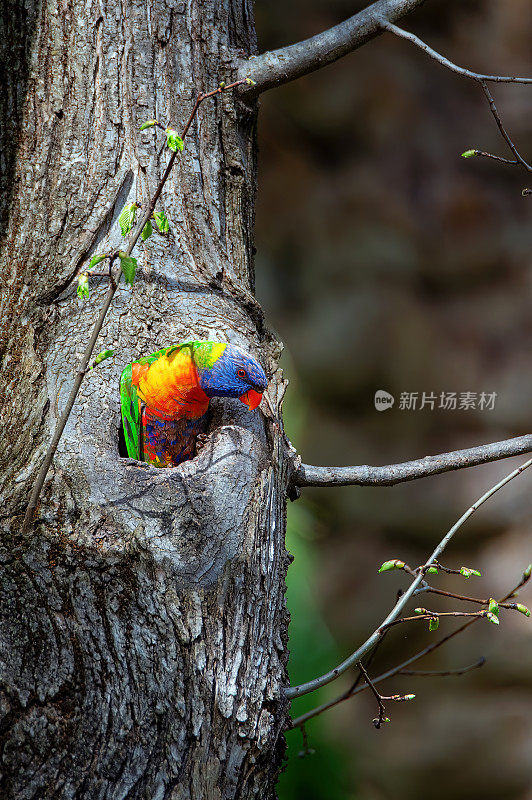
pixel 165 396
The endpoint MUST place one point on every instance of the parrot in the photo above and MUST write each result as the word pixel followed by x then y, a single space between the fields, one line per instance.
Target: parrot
pixel 165 396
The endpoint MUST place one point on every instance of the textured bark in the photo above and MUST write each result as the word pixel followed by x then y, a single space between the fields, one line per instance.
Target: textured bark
pixel 143 626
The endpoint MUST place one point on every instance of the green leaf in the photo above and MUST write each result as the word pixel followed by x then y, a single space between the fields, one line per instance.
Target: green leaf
pixel 102 356
pixel 173 140
pixel 469 153
pixel 431 571
pixel 434 624
pixel 528 572
pixel 161 221
pixel 493 607
pixel 83 286
pixel 147 231
pixel 148 124
pixel 420 611
pixel 394 564
pixel 492 617
pixel 129 267
pixel 467 572
pixel 96 260
pixel 126 220
pixel 251 82
pixel 522 609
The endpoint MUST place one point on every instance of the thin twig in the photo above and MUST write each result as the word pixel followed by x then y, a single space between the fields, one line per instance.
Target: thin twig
pixel 502 129
pixel 466 598
pixel 482 153
pixel 432 615
pixel 380 719
pixel 369 661
pixel 467 73
pixel 432 590
pixel 82 369
pixel 310 686
pixel 306 749
pixel 436 673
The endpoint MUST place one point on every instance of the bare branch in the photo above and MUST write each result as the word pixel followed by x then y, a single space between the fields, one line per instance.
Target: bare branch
pixel 483 154
pixel 360 652
pixel 364 475
pixel 378 722
pixel 385 23
pixel 476 76
pixel 276 67
pixel 502 129
pixel 435 673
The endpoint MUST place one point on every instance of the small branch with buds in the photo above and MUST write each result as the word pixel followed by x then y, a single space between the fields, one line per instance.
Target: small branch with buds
pixel 127 267
pixel 403 667
pixel 398 698
pixel 419 580
pixel 480 79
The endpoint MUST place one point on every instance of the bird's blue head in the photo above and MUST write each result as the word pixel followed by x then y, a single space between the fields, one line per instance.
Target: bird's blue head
pixel 233 373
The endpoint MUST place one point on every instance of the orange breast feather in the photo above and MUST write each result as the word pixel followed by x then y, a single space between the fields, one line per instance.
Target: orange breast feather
pixel 169 386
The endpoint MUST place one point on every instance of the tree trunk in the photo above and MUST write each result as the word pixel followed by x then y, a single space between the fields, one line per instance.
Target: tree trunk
pixel 143 627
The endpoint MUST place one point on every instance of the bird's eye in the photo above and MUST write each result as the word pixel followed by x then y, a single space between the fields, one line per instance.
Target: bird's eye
pixel 241 373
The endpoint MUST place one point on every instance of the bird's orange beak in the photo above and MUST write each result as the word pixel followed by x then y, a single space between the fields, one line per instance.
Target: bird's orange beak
pixel 251 399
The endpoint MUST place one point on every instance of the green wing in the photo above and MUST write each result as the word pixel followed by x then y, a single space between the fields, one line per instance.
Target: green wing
pixel 130 403
pixel 131 423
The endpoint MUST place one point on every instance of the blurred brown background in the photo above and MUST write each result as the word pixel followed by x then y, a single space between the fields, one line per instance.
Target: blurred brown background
pixel 385 261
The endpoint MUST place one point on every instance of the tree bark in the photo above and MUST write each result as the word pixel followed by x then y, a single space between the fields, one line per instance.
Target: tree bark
pixel 143 625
